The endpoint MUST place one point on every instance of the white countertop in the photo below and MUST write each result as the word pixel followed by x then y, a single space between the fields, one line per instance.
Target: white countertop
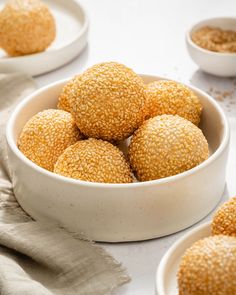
pixel 148 35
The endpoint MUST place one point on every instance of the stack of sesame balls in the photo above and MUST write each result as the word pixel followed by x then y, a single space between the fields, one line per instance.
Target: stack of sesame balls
pixel 104 106
pixel 209 265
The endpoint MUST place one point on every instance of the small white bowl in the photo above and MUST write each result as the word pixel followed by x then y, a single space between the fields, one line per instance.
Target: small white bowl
pixel 216 63
pixel 119 212
pixel 166 278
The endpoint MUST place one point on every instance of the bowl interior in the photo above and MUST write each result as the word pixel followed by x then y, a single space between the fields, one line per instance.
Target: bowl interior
pixel 213 123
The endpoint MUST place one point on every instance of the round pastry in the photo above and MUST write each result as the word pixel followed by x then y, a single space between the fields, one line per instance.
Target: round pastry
pixel 172 98
pixel 46 135
pixel 68 95
pixel 26 27
pixel 224 221
pixel 94 160
pixel 110 102
pixel 166 145
pixel 209 267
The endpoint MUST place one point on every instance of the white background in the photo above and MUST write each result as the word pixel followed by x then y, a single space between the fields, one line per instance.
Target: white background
pixel 149 36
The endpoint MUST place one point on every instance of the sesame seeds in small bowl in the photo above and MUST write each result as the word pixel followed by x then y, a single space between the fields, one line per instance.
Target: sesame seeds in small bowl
pixel 117 209
pixel 211 44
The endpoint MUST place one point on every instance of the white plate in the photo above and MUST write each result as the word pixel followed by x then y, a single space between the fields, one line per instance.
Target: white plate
pixel 71 38
pixel 166 278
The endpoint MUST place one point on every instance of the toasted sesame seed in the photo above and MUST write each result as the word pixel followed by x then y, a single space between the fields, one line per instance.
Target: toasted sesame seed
pixel 110 102
pixel 224 220
pixel 166 145
pixel 208 267
pixel 46 135
pixel 215 39
pixel 94 160
pixel 26 27
pixel 172 98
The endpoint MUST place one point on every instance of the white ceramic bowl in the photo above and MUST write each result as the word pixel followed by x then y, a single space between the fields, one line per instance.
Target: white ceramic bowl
pixel 166 278
pixel 216 63
pixel 119 212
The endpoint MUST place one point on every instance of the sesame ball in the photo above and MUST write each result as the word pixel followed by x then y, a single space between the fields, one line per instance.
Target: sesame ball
pixel 26 27
pixel 224 221
pixel 94 160
pixel 68 95
pixel 172 98
pixel 166 145
pixel 209 267
pixel 110 102
pixel 46 135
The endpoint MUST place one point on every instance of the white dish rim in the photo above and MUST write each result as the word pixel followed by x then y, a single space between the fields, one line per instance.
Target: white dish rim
pixel 19 154
pixel 161 268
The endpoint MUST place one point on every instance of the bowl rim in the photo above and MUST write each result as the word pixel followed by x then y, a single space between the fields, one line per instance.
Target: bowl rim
pixel 14 148
pixel 159 280
pixel 201 49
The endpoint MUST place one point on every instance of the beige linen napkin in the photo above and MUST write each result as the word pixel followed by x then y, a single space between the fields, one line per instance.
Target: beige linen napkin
pixel 37 259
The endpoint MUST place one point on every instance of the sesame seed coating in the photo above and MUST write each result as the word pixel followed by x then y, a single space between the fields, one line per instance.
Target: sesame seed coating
pixel 94 160
pixel 224 221
pixel 110 102
pixel 172 98
pixel 68 95
pixel 166 145
pixel 208 267
pixel 26 27
pixel 46 135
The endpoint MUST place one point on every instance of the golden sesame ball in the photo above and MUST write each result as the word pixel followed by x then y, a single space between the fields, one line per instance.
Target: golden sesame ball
pixel 224 221
pixel 172 98
pixel 26 27
pixel 46 135
pixel 94 160
pixel 110 102
pixel 208 267
pixel 68 95
pixel 166 145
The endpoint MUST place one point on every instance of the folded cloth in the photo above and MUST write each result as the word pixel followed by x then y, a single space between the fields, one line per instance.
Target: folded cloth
pixel 36 258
